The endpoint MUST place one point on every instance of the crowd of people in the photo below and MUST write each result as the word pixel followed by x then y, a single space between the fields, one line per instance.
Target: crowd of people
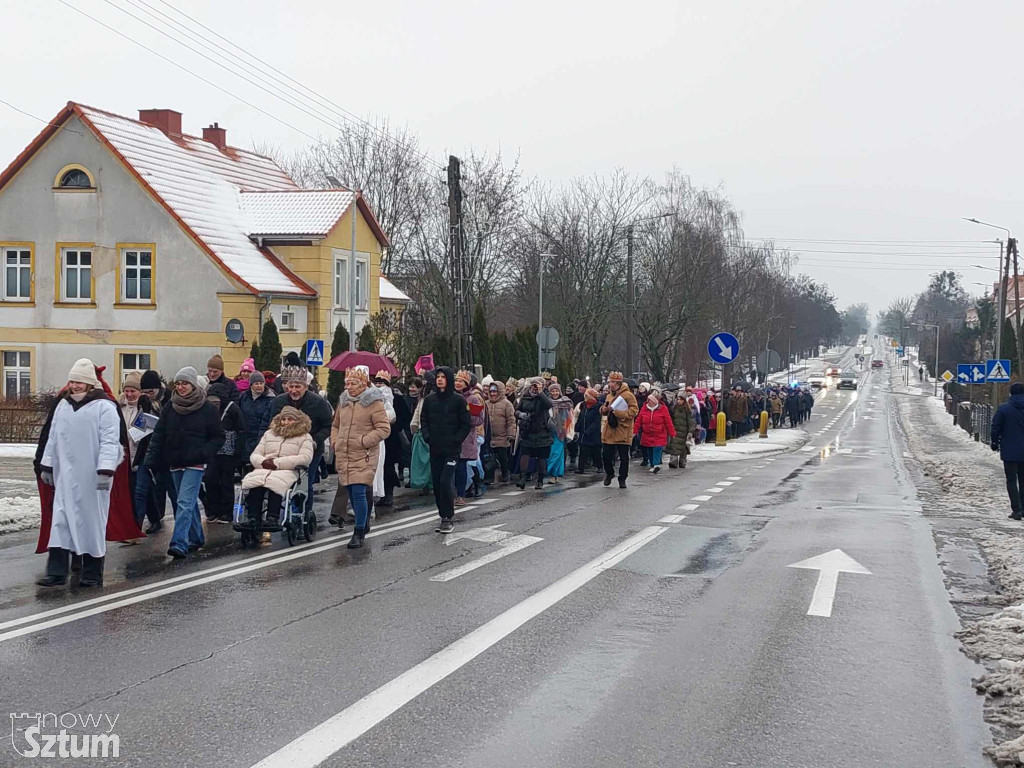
pixel 108 465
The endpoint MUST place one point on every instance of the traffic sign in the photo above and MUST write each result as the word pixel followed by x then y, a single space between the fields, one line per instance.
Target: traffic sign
pixel 963 373
pixel 547 338
pixel 997 371
pixel 723 347
pixel 894 343
pixel 947 376
pixel 970 373
pixel 314 352
pixel 899 351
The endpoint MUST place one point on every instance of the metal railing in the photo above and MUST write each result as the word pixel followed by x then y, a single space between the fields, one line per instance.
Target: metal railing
pixel 21 421
pixel 972 410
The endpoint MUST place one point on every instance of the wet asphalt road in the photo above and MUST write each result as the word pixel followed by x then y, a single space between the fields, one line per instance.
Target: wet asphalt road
pixel 695 649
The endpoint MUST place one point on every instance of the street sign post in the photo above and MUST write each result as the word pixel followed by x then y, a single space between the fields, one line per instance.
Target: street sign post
pixel 547 338
pixel 997 371
pixel 723 348
pixel 314 352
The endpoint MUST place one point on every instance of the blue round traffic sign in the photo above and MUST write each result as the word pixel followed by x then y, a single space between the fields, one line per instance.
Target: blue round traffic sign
pixel 723 347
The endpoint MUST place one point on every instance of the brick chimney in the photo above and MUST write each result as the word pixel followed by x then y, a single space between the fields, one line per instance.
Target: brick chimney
pixel 216 136
pixel 167 120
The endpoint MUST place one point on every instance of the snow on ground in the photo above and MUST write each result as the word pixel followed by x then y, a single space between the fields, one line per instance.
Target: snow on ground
pixel 19 513
pixel 17 450
pixel 751 446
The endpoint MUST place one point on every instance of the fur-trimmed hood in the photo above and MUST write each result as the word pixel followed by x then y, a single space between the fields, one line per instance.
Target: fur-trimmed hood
pixel 301 426
pixel 370 395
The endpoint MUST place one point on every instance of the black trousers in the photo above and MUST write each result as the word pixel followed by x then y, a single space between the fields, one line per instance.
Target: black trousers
pixel 442 476
pixel 589 455
pixel 501 455
pixel 57 563
pixel 609 453
pixel 1014 483
pixel 220 486
pixel 254 503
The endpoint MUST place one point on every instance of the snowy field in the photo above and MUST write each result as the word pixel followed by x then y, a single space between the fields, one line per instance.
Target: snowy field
pixel 19 499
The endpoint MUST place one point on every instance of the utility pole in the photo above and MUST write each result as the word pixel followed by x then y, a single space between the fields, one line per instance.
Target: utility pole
pixel 456 264
pixel 1000 313
pixel 631 301
pixel 352 292
pixel 1011 250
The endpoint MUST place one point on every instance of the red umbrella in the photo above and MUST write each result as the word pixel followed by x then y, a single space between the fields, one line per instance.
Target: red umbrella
pixel 371 360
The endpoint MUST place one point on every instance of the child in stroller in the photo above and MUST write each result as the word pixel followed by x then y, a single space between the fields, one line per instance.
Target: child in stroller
pixel 286 447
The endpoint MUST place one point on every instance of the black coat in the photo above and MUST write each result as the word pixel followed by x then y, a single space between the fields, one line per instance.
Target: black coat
pixel 444 420
pixel 185 439
pixel 1008 429
pixel 254 409
pixel 588 425
pixel 311 404
pixel 533 414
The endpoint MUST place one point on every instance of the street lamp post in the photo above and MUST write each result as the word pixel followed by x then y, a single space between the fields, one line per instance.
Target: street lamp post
pixel 631 288
pixel 789 357
pixel 1001 317
pixel 540 314
pixel 935 373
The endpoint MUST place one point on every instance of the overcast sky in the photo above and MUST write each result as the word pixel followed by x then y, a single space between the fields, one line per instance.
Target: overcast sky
pixel 879 120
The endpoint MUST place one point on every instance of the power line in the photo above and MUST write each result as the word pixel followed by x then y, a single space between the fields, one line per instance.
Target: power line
pixel 922 254
pixel 40 119
pixel 893 243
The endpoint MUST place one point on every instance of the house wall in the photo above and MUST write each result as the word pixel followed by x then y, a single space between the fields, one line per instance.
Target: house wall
pixel 185 325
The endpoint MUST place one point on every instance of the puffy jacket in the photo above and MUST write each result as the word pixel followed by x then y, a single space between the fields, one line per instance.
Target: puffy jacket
pixel 183 440
pixel 1008 429
pixel 683 421
pixel 736 408
pixel 255 410
pixel 290 448
pixel 654 427
pixel 470 446
pixel 622 433
pixel 775 405
pixel 311 404
pixel 444 420
pixel 533 414
pixel 588 424
pixel 502 416
pixel 360 425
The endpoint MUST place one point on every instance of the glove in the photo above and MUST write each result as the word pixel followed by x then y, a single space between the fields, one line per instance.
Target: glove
pixel 47 477
pixel 268 464
pixel 104 482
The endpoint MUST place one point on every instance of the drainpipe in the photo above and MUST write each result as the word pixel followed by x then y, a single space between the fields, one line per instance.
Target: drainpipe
pixel 266 305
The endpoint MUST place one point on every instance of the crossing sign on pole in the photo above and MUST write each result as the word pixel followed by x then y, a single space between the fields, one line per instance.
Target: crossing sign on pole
pixel 314 352
pixel 997 371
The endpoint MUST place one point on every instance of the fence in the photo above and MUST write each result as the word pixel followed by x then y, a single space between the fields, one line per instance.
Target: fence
pixel 21 421
pixel 972 409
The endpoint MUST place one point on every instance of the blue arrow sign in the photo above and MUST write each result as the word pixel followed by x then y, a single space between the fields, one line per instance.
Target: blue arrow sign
pixel 976 372
pixel 314 352
pixel 723 348
pixel 997 371
pixel 963 373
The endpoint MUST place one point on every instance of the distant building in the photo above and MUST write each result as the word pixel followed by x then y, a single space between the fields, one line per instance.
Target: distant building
pixel 132 243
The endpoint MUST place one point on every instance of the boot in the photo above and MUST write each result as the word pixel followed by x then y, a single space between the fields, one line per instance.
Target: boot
pixel 356 542
pixel 56 568
pixel 92 571
pixel 521 482
pixel 540 484
pixel 76 563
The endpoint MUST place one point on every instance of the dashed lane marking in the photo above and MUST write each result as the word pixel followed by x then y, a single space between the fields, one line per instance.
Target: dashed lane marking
pixel 701 498
pixel 734 478
pixel 687 507
pixel 724 483
pixel 672 519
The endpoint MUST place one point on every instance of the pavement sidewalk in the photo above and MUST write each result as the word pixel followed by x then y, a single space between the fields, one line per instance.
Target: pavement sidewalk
pixel 781 440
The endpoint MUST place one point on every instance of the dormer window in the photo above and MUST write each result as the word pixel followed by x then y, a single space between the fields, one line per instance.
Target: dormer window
pixel 74 178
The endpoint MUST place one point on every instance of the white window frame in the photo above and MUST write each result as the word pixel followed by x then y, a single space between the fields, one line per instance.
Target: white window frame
pixel 22 372
pixel 135 358
pixel 19 266
pixel 138 267
pixel 362 284
pixel 65 282
pixel 288 321
pixel 341 282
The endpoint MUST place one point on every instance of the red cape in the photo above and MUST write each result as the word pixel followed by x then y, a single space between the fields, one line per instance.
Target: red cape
pixel 121 524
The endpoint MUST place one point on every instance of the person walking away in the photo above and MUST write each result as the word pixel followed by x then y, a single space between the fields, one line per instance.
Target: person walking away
pixel 82 452
pixel 470 445
pixel 285 448
pixel 298 395
pixel 535 436
pixel 1008 439
pixel 185 440
pixel 655 426
pixel 444 425
pixel 620 410
pixel 564 432
pixel 684 424
pixel 793 407
pixel 588 431
pixel 502 418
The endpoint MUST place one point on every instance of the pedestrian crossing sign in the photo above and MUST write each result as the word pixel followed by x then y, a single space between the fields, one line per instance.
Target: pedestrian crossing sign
pixel 314 352
pixel 997 371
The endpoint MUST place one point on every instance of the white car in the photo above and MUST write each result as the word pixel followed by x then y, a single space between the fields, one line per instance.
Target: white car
pixel 818 382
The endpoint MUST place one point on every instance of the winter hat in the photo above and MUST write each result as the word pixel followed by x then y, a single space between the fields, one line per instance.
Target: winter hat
pixel 84 371
pixel 292 359
pixel 511 383
pixel 133 380
pixel 150 380
pixel 257 378
pixel 382 375
pixel 590 394
pixel 615 376
pixel 293 373
pixel 464 377
pixel 248 365
pixel 487 381
pixel 188 373
pixel 1017 388
pixel 358 373
pixel 204 382
pixel 216 362
pixel 291 411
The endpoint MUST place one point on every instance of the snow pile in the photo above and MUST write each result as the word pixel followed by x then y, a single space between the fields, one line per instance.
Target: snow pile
pixel 17 450
pixel 19 513
pixel 750 446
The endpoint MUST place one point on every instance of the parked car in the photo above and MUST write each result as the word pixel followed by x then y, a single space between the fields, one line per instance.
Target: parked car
pixel 847 381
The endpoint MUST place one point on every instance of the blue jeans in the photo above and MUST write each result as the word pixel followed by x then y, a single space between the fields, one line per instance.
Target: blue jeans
pixel 188 528
pixel 360 505
pixel 656 452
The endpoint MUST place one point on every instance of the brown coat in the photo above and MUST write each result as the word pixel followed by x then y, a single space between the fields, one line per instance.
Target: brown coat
pixel 737 409
pixel 503 422
pixel 622 434
pixel 359 427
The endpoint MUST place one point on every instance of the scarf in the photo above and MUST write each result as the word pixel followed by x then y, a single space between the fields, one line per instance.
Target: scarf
pixel 188 403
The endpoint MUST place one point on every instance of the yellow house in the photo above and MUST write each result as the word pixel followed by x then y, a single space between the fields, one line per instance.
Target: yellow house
pixel 159 240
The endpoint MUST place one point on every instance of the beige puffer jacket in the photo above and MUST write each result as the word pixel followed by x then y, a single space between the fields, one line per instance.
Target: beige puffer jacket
pixel 290 448
pixel 360 425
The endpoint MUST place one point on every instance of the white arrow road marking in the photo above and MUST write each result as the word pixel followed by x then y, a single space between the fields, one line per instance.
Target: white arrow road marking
pixel 829 566
pixel 726 351
pixel 317 745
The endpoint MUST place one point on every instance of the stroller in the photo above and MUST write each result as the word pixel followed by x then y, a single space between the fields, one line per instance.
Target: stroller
pixel 294 521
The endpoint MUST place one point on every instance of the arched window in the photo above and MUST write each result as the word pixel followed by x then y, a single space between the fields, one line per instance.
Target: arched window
pixel 75 179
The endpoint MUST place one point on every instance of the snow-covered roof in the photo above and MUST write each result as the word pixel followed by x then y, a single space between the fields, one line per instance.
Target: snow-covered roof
pixel 389 292
pixel 305 212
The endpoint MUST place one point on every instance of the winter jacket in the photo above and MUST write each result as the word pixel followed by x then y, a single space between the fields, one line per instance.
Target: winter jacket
pixel 230 391
pixel 622 433
pixel 233 421
pixel 311 404
pixel 775 405
pixel 130 414
pixel 360 425
pixel 444 420
pixel 290 447
pixel 470 446
pixel 502 416
pixel 183 440
pixel 654 427
pixel 736 409
pixel 588 424
pixel 808 401
pixel 254 409
pixel 533 414
pixel 1008 429
pixel 682 420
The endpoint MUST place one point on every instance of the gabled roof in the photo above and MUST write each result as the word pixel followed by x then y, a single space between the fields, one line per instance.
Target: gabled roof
pixel 304 212
pixel 199 185
pixel 389 292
